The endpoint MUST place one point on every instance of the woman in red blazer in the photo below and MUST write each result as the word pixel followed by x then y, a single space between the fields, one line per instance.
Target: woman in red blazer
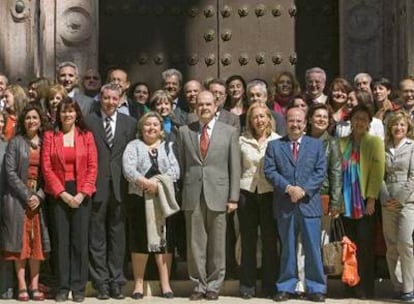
pixel 69 166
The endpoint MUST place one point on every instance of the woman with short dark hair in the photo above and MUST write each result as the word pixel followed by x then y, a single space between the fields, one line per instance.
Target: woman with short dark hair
pixel 363 162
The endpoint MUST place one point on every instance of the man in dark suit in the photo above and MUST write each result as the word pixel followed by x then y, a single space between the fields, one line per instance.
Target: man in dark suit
pixel 112 132
pixel 68 77
pixel 209 156
pixel 218 88
pixel 172 81
pixel 295 165
pixel 257 91
pixel 191 89
pixel 126 106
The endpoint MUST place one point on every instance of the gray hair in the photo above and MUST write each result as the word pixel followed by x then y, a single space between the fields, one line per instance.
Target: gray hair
pixel 112 87
pixel 194 81
pixel 316 70
pixel 360 75
pixel 257 83
pixel 68 64
pixel 172 72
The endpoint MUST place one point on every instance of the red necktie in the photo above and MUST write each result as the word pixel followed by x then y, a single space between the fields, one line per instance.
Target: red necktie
pixel 295 150
pixel 204 141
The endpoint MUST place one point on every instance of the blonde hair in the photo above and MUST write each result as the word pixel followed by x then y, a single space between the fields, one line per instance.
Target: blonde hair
pixel 159 95
pixel 20 98
pixel 143 119
pixel 249 126
pixel 393 119
pixel 56 89
pixel 295 83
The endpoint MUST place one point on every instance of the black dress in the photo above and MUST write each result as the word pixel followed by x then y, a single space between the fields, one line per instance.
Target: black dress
pixel 137 223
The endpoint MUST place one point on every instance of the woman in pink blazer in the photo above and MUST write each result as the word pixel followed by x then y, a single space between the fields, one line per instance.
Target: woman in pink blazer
pixel 69 166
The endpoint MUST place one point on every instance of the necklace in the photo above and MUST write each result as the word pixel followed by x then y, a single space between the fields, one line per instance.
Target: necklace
pixel 34 142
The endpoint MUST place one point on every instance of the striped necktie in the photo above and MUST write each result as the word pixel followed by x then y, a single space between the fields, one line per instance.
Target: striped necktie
pixel 108 131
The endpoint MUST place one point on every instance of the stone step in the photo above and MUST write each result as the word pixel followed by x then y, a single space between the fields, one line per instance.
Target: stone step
pixel 183 288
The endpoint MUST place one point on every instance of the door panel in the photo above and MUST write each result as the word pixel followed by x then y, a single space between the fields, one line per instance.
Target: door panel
pixel 317 37
pixel 256 38
pixel 203 39
pixel 162 34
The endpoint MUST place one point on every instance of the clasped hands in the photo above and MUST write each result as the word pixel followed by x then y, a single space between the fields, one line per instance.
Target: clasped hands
pixel 296 193
pixel 148 185
pixel 72 201
pixel 33 202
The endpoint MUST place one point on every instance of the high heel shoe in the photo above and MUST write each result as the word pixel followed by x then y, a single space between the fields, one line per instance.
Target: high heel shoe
pixel 137 295
pixel 167 295
pixel 37 295
pixel 23 295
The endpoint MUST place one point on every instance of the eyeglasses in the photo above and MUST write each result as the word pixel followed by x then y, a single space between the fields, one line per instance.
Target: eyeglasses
pixel 91 78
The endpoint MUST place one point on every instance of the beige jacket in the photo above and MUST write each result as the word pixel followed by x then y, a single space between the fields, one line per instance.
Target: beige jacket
pixel 252 160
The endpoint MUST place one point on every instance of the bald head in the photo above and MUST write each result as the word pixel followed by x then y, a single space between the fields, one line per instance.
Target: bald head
pixel 295 122
pixel 191 89
pixel 407 92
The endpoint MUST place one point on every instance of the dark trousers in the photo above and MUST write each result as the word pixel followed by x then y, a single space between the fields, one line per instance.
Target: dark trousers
pixel 231 263
pixel 362 233
pixel 70 242
pixel 7 279
pixel 256 210
pixel 107 242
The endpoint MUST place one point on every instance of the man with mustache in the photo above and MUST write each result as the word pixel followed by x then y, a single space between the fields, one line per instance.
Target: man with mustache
pixel 209 157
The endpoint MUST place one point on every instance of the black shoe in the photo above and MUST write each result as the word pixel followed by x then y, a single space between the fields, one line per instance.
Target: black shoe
pixel 78 297
pixel 115 292
pixel 212 295
pixel 102 293
pixel 246 295
pixel 137 296
pixel 407 297
pixel 281 296
pixel 196 296
pixel 61 296
pixel 316 297
pixel 167 295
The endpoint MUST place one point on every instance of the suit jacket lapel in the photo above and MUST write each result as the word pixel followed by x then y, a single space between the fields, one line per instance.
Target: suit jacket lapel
pixel 287 149
pixel 215 136
pixel 119 128
pixel 99 124
pixel 194 129
pixel 302 148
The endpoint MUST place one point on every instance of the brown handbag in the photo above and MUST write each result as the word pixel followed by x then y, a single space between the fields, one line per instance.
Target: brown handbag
pixel 332 252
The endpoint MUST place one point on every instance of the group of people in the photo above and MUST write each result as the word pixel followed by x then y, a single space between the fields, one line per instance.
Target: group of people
pixel 89 174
